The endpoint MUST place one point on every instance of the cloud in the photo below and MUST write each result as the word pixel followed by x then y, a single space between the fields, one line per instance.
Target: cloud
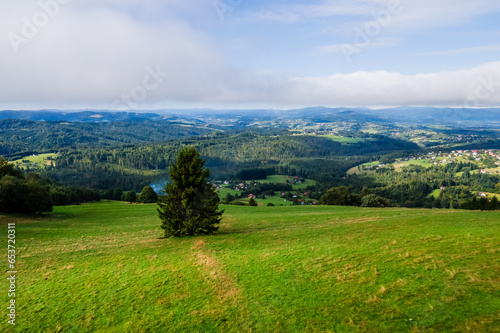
pixel 474 49
pixel 94 54
pixel 90 55
pixel 479 86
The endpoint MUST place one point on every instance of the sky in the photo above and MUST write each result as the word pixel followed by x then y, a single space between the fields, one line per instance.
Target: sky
pixel 161 54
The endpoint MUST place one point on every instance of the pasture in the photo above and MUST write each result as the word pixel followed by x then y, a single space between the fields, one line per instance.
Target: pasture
pixel 104 267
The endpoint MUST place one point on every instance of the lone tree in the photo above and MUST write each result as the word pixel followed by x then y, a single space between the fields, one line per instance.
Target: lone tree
pixel 148 195
pixel 192 205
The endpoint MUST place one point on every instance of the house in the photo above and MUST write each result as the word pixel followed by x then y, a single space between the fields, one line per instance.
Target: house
pixel 443 188
pixel 251 196
pixel 483 171
pixel 482 195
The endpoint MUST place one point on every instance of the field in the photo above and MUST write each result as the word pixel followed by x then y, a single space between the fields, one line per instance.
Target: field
pixel 343 139
pixel 38 161
pixel 434 194
pixel 276 199
pixel 357 170
pixel 280 179
pixel 336 138
pixel 103 267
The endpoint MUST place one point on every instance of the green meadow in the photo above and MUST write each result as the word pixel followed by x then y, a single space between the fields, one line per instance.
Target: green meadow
pixel 40 160
pixel 343 139
pixel 104 267
pixel 280 179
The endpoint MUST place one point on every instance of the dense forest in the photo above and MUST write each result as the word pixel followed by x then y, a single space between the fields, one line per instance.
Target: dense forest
pixel 225 155
pixel 24 137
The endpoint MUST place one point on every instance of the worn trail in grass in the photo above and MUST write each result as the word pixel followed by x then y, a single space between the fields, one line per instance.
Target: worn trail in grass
pixel 104 267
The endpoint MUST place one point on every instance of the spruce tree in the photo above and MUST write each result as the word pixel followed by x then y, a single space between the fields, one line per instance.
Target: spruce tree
pixel 191 206
pixel 252 202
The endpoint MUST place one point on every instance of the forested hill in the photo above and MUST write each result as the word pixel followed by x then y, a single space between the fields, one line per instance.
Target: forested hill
pixel 225 155
pixel 78 116
pixel 23 137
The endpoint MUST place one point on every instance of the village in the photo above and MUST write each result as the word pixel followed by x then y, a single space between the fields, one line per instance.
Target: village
pixel 487 161
pixel 276 190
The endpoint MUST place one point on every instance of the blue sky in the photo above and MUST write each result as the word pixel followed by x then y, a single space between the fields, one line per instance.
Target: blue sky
pixel 131 54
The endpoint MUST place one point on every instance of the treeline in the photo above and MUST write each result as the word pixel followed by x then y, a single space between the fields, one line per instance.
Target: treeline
pixel 411 186
pixel 481 204
pixel 342 196
pixel 19 194
pixel 32 194
pixel 226 155
pixel 452 198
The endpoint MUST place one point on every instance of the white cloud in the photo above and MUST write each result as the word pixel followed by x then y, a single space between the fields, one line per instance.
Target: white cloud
pixel 480 85
pixel 92 55
pixel 89 55
pixel 474 49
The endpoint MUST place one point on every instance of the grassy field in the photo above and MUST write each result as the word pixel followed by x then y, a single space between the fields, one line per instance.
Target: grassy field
pixel 337 138
pixel 40 160
pixel 103 267
pixel 280 179
pixel 275 200
pixel 398 166
pixel 343 139
pixel 359 171
pixel 223 192
pixel 434 194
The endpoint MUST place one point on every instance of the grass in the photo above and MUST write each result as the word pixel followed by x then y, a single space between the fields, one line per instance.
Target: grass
pixel 223 192
pixel 275 200
pixel 103 267
pixel 280 179
pixel 336 138
pixel 40 160
pixel 434 194
pixel 342 139
pixel 491 195
pixel 357 170
pixel 425 163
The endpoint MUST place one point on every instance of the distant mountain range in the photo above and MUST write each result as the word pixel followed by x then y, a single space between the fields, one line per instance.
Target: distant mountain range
pixel 77 116
pixel 418 115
